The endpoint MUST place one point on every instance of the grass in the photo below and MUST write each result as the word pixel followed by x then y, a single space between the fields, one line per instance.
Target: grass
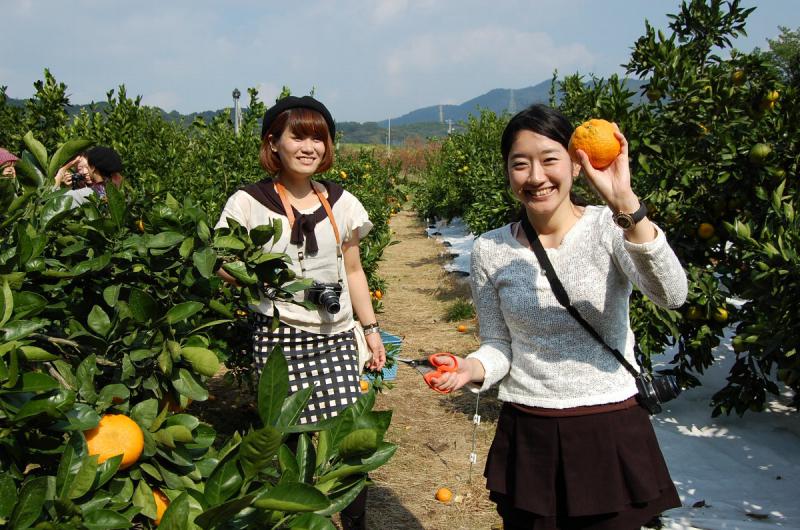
pixel 461 309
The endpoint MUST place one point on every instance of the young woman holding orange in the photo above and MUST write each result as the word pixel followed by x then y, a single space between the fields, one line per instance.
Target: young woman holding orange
pixel 323 224
pixel 573 447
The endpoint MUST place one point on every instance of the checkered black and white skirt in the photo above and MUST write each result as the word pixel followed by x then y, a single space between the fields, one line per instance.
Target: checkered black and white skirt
pixel 329 363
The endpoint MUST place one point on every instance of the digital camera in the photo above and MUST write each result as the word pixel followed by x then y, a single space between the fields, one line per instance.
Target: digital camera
pixel 653 391
pixel 78 181
pixel 326 295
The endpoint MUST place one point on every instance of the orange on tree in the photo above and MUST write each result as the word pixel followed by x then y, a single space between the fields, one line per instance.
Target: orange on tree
pixel 759 153
pixel 705 230
pixel 694 313
pixel 116 434
pixel 738 77
pixel 444 495
pixel 162 502
pixel 720 315
pixel 364 384
pixel 140 225
pixel 596 138
pixel 378 294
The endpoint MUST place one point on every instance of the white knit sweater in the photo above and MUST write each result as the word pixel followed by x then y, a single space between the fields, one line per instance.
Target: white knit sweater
pixel 529 343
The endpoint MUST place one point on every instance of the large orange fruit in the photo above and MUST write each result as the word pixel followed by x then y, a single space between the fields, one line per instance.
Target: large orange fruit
pixel 116 434
pixel 596 138
pixel 162 502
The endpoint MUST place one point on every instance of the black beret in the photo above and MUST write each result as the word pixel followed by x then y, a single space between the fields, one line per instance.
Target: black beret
pixel 104 159
pixel 293 102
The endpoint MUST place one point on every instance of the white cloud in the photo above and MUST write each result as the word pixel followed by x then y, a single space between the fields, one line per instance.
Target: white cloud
pixel 166 99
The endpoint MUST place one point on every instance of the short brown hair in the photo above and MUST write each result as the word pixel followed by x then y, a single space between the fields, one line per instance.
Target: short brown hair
pixel 304 123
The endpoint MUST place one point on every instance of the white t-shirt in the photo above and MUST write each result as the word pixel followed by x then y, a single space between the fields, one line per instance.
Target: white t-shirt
pixel 323 267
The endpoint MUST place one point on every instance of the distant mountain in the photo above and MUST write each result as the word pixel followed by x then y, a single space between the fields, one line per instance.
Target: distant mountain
pixel 498 100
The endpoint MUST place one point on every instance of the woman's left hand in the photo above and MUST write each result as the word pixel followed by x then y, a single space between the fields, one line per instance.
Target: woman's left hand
pixel 613 183
pixel 378 352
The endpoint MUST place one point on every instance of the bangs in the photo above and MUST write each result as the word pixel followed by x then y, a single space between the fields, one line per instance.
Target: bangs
pixel 307 123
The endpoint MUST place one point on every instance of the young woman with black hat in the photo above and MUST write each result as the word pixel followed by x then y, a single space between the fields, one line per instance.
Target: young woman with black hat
pixel 324 224
pixel 573 447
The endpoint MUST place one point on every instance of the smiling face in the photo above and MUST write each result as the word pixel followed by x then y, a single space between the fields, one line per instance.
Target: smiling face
pixel 540 173
pixel 7 170
pixel 300 156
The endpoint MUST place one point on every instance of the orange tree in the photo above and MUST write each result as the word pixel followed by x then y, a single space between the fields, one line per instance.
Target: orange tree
pixel 114 307
pixel 714 144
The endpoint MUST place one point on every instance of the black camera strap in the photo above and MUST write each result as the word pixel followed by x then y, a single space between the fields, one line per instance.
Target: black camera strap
pixel 561 293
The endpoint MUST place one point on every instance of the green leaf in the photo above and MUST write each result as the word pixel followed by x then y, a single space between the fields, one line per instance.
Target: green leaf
pixel 273 386
pixel 116 204
pixel 111 295
pixel 69 465
pixel 142 306
pixel 105 520
pixel 177 515
pixel 6 303
pixel 55 209
pixel 144 413
pixel 305 458
pixel 26 305
pixel 98 321
pixel 37 150
pixel 28 174
pixel 223 513
pixel 295 497
pixel 84 478
pixel 238 270
pixel 225 480
pixel 35 382
pixel 352 487
pixel 293 407
pixel 204 361
pixel 229 242
pixel 107 470
pixel 360 442
pixel 179 433
pixel 186 383
pixel 65 153
pixel 186 247
pixel 165 239
pixel 182 311
pixel 19 329
pixel 143 499
pixel 36 354
pixel 204 261
pixel 312 521
pixel 8 495
pixel 258 448
pixel 115 392
pixel 29 506
pixel 261 235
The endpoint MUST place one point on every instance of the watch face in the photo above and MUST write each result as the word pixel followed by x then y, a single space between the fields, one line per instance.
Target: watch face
pixel 624 221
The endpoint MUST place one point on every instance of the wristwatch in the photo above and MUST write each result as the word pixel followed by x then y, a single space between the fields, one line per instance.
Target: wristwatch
pixel 627 221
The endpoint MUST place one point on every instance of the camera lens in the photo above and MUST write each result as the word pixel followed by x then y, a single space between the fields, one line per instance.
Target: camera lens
pixel 330 301
pixel 666 387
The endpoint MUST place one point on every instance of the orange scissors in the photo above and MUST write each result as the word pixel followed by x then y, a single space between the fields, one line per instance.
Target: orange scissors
pixel 431 367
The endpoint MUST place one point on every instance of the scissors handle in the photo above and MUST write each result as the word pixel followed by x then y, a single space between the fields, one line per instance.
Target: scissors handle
pixel 440 369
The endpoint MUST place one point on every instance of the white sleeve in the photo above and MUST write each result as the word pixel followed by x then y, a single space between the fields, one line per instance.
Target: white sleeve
pixel 233 210
pixel 356 219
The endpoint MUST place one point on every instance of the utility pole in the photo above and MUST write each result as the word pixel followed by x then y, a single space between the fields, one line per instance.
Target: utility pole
pixel 389 140
pixel 237 112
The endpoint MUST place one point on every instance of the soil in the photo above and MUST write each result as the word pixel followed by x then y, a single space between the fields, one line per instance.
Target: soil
pixel 433 432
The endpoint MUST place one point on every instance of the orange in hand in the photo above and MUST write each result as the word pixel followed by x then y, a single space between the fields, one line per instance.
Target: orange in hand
pixel 595 138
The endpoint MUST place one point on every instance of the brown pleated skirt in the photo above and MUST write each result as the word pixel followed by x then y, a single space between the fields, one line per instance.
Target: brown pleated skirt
pixel 595 471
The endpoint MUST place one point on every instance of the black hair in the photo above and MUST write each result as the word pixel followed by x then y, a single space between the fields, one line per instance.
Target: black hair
pixel 540 119
pixel 543 120
pixel 104 160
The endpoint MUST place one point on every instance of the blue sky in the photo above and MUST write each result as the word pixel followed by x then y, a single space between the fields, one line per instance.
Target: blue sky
pixel 367 60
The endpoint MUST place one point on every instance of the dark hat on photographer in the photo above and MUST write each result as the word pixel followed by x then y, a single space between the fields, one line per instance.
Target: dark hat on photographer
pixel 7 156
pixel 105 160
pixel 293 102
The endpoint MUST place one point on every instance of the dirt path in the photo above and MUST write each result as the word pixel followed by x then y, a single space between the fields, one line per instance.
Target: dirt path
pixel 433 432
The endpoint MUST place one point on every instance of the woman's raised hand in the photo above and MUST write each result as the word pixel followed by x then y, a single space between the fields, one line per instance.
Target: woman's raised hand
pixel 613 183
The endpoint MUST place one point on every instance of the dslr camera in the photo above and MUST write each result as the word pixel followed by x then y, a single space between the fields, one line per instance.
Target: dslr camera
pixel 326 295
pixel 78 180
pixel 653 391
